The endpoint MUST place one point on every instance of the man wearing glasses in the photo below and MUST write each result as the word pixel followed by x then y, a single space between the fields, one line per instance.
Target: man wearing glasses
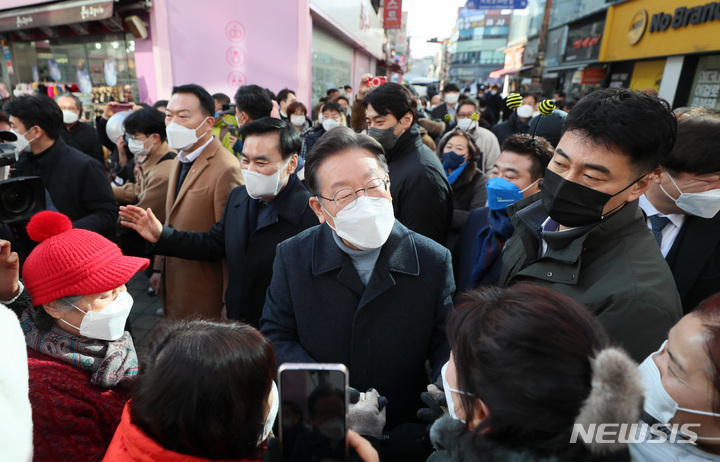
pixel 361 289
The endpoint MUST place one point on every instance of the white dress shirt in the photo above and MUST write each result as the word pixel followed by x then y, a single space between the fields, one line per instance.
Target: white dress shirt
pixel 669 232
pixel 191 156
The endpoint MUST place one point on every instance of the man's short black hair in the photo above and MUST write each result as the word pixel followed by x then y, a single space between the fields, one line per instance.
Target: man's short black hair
pixel 254 100
pixel 696 148
pixel 467 102
pixel 560 93
pixel 392 98
pixel 347 87
pixel 146 121
pixel 160 103
pixel 41 110
pixel 283 94
pixel 450 87
pixel 290 142
pixel 525 94
pixel 335 141
pixel 537 149
pixel 332 106
pixel 207 105
pixel 221 98
pixel 331 91
pixel 343 98
pixel 641 125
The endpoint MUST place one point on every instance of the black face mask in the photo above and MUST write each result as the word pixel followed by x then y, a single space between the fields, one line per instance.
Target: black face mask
pixel 572 204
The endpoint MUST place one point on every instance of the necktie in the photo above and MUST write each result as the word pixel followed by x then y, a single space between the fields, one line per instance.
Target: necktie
pixel 658 223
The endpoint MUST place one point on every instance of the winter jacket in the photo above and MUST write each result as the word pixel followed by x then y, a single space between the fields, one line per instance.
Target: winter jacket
pixel 77 184
pixel 72 418
pixel 615 268
pixel 469 193
pixel 131 444
pixel 454 445
pixel 83 137
pixel 16 434
pixel 422 198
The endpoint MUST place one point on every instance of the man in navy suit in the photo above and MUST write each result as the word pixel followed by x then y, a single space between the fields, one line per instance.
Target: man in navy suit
pixel 682 207
pixel 272 206
pixel 361 289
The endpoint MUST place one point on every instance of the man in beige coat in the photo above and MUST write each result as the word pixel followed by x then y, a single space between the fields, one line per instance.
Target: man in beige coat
pixel 201 178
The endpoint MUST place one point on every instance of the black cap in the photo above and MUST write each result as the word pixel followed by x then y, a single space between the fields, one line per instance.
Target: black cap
pixel 7 136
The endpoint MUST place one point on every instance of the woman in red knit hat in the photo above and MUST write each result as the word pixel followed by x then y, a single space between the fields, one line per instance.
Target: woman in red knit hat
pixel 80 358
pixel 205 392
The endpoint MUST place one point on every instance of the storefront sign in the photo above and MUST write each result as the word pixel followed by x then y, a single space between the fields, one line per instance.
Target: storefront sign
pixel 647 75
pixel 514 59
pixel 583 41
pixel 706 85
pixel 592 76
pixel 8 60
pixel 652 28
pixel 392 14
pixel 684 16
pixel 496 4
pixel 56 14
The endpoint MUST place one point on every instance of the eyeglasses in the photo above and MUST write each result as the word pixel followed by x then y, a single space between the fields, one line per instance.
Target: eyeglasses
pixel 464 115
pixel 335 117
pixel 346 198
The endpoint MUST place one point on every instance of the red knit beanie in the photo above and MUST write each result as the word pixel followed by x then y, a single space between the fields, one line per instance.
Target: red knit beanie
pixel 70 261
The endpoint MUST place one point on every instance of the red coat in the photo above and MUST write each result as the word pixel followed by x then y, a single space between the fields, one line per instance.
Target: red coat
pixel 131 444
pixel 72 418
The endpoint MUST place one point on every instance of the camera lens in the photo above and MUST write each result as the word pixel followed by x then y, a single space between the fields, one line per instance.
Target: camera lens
pixel 16 200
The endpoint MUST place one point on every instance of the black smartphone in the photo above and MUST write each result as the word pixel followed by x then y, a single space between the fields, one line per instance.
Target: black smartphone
pixel 313 412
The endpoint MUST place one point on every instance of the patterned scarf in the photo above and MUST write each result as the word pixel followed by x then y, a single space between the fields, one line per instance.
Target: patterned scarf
pixel 112 363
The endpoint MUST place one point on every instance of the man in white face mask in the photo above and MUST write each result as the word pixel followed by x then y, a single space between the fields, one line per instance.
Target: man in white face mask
pixel 342 291
pixel 271 207
pixel 79 135
pixel 681 388
pixel 201 178
pixel 78 185
pixel 682 207
pixel 450 95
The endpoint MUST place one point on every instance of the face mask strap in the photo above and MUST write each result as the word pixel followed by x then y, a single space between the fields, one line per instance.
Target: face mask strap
pixel 530 185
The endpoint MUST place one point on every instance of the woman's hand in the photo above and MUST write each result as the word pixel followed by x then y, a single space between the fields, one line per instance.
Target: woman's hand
pixel 9 272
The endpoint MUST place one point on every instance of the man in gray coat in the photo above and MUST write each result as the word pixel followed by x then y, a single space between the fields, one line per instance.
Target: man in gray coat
pixel 584 234
pixel 361 289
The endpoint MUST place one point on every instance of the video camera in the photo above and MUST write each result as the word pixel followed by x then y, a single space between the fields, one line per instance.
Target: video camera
pixel 20 198
pixel 228 109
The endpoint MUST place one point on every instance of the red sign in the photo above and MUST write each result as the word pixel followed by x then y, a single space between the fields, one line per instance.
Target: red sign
pixel 592 76
pixel 392 15
pixel 585 42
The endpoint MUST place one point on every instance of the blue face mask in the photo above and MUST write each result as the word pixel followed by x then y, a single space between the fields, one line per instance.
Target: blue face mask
pixel 501 193
pixel 452 161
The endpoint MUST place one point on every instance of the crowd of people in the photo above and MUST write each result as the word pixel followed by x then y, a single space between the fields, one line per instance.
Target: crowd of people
pixel 495 280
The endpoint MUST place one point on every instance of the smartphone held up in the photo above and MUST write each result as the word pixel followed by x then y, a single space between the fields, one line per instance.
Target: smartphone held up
pixel 313 411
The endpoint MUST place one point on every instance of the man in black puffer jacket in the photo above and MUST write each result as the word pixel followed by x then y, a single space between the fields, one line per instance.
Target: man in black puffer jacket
pixel 422 198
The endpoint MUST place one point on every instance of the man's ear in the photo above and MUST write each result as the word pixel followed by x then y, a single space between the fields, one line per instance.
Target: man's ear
pixel 657 174
pixel 640 187
pixel 292 165
pixel 482 412
pixel 317 208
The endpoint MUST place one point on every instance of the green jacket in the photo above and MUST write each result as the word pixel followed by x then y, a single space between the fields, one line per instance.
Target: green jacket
pixel 615 268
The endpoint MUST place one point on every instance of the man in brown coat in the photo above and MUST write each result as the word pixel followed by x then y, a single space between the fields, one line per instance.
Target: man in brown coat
pixel 202 176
